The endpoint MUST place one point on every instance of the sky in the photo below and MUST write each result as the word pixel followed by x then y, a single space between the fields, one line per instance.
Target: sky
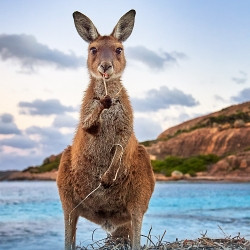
pixel 184 59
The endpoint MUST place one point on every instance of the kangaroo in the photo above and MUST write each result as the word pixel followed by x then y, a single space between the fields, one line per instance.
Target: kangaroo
pixel 106 175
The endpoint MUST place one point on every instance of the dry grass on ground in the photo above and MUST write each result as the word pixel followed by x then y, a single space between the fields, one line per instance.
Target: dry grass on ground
pixel 158 243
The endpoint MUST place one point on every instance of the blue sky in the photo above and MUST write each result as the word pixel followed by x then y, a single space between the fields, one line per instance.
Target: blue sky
pixel 184 59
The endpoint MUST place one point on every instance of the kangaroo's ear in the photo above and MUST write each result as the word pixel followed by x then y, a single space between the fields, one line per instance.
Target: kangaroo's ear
pixel 124 27
pixel 85 28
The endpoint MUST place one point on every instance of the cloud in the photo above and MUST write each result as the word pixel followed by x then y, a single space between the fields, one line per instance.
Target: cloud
pixel 6 118
pixel 146 128
pixel 41 107
pixel 219 98
pixel 27 152
pixel 52 141
pixel 18 141
pixel 7 125
pixel 30 53
pixel 242 79
pixel 13 161
pixel 64 121
pixel 243 96
pixel 162 99
pixel 151 58
pixel 23 148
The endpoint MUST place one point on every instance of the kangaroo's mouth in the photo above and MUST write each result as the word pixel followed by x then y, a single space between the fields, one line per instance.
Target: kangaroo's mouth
pixel 105 75
pixel 105 69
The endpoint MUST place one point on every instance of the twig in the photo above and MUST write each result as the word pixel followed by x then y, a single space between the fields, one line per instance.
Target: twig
pixel 149 233
pixel 148 239
pixel 204 234
pixel 92 237
pixel 161 238
pixel 225 235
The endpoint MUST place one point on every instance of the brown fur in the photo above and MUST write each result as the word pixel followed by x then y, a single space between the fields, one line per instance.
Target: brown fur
pixel 105 146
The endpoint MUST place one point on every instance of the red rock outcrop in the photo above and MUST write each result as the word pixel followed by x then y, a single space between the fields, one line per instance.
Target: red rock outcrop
pixel 233 165
pixel 203 141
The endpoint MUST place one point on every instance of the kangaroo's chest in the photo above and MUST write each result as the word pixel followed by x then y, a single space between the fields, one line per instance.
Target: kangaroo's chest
pixel 114 119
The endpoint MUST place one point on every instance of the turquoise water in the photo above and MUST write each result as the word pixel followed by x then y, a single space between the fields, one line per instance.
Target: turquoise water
pixel 31 216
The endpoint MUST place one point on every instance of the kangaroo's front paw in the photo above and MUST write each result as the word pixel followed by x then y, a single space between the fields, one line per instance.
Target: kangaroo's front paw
pixel 106 102
pixel 106 181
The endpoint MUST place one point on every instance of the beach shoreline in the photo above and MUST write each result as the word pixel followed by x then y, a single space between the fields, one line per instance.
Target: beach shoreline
pixel 51 176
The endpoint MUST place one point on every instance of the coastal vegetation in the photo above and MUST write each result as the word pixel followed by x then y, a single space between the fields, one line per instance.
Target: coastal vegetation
pixel 189 165
pixel 49 164
pixel 231 119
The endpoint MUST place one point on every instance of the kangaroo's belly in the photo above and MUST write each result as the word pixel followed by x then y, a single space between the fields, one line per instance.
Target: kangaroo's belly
pixel 107 211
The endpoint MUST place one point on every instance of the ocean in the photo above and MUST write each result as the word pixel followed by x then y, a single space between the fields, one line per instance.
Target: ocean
pixel 31 216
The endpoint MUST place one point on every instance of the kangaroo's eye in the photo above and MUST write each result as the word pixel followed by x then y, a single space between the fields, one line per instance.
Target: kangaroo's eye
pixel 93 50
pixel 118 51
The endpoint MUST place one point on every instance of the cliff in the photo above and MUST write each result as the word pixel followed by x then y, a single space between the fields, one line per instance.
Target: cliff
pixel 203 141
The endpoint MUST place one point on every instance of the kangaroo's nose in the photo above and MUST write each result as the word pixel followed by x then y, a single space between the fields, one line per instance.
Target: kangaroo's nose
pixel 105 67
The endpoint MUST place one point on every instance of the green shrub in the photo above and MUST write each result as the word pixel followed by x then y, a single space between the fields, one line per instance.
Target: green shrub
pixel 49 166
pixel 190 165
pixel 222 119
pixel 148 143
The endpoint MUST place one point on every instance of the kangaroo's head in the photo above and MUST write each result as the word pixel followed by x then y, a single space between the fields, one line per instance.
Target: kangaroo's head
pixel 105 56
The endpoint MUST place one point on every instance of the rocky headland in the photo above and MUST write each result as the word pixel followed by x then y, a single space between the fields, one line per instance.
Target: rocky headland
pixel 225 133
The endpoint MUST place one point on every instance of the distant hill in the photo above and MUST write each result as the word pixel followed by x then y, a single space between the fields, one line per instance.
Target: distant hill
pixel 215 146
pixel 231 117
pixel 222 132
pixel 225 133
